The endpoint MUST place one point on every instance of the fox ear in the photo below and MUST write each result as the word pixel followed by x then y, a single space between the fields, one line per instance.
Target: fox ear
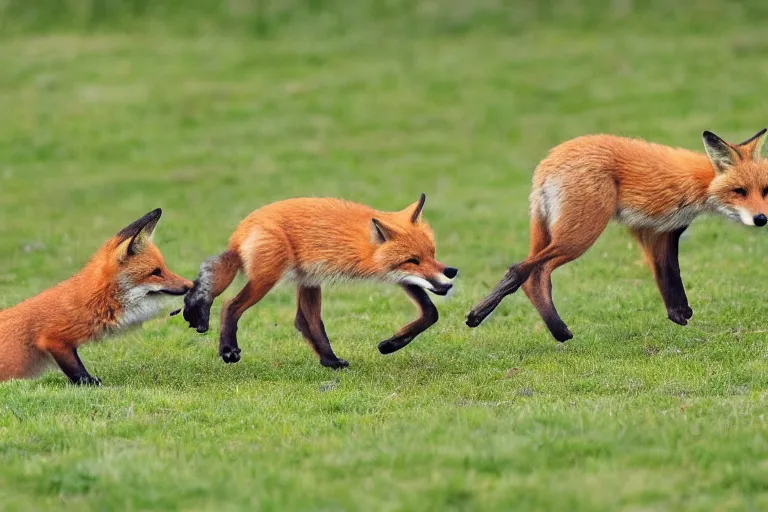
pixel 380 233
pixel 133 238
pixel 753 147
pixel 721 154
pixel 414 211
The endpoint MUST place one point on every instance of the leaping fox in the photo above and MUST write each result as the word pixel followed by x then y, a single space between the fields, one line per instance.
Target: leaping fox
pixel 313 241
pixel 656 191
pixel 120 286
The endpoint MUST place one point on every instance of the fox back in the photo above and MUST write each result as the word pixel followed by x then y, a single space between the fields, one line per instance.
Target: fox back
pixel 332 239
pixel 652 186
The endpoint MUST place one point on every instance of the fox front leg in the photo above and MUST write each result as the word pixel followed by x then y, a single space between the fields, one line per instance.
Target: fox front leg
pixel 69 362
pixel 427 319
pixel 661 252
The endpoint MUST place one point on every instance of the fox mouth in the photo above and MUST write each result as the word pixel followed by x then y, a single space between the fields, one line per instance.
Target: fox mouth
pixel 175 293
pixel 440 289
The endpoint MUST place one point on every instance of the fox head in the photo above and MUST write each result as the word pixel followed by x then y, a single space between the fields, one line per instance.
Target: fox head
pixel 137 273
pixel 405 250
pixel 740 187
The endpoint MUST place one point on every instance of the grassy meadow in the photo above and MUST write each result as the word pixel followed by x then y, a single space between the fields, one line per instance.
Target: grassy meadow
pixel 110 109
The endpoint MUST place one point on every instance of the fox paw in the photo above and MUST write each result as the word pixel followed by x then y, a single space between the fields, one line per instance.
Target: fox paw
pixel 336 364
pixel 562 334
pixel 474 319
pixel 197 315
pixel 87 380
pixel 230 354
pixel 680 314
pixel 393 344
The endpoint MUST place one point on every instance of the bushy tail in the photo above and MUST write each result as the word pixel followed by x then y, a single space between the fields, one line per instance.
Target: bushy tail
pixel 216 274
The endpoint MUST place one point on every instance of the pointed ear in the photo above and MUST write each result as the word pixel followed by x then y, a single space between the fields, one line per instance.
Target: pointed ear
pixel 721 154
pixel 414 211
pixel 133 238
pixel 380 233
pixel 752 148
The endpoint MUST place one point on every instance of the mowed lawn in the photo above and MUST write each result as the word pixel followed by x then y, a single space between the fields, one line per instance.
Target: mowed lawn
pixel 634 413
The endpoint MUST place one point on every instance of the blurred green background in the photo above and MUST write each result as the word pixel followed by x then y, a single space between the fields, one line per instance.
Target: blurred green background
pixel 210 109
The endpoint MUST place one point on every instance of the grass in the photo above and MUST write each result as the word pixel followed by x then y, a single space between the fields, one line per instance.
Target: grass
pixel 635 413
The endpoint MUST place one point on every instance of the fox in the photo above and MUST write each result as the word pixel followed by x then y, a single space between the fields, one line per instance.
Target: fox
pixel 311 242
pixel 656 191
pixel 121 286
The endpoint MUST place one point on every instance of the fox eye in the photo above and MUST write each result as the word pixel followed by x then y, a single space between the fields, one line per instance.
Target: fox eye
pixel 415 261
pixel 742 192
pixel 157 272
pixel 765 191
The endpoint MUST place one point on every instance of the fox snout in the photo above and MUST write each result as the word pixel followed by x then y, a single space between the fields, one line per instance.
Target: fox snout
pixel 441 284
pixel 748 218
pixel 177 287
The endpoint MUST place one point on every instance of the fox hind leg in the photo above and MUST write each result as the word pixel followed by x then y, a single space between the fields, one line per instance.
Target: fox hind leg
pixel 516 275
pixel 309 323
pixel 540 238
pixel 554 242
pixel 567 242
pixel 538 287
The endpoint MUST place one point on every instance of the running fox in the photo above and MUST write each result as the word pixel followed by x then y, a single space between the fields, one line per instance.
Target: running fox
pixel 656 191
pixel 119 287
pixel 313 241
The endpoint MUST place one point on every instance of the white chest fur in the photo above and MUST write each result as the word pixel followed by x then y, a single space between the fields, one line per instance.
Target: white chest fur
pixel 669 221
pixel 139 305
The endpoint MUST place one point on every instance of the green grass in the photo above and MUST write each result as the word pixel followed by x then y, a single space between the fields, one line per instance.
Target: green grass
pixel 635 413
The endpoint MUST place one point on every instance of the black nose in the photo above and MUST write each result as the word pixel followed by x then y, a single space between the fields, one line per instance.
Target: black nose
pixel 451 272
pixel 760 219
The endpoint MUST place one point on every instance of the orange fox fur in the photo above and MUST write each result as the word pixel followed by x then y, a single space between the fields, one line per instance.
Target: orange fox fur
pixel 656 191
pixel 313 241
pixel 120 286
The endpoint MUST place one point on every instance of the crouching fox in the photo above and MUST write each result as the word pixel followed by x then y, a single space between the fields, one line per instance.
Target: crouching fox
pixel 122 285
pixel 313 241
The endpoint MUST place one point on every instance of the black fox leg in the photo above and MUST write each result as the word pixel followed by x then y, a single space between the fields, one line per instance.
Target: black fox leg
pixel 553 243
pixel 197 309
pixel 514 277
pixel 538 289
pixel 251 293
pixel 661 252
pixel 670 282
pixel 69 362
pixel 215 275
pixel 309 323
pixel 428 317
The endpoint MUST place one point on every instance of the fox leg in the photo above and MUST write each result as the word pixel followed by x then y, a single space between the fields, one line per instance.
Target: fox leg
pixel 428 317
pixel 565 241
pixel 215 275
pixel 661 254
pixel 69 361
pixel 233 309
pixel 540 239
pixel 515 275
pixel 309 323
pixel 538 287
